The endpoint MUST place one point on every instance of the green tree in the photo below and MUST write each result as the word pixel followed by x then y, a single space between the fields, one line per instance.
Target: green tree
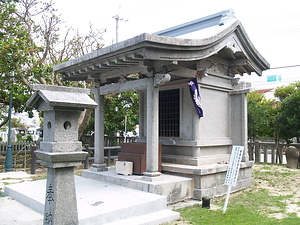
pixel 117 109
pixel 16 49
pixel 280 119
pixel 29 138
pixel 121 108
pixel 19 137
pixel 31 43
pixel 287 120
pixel 16 122
pixel 261 113
pixel 3 115
pixel 284 91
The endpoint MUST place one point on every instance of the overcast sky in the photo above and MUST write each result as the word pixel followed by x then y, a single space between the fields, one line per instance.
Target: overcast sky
pixel 273 26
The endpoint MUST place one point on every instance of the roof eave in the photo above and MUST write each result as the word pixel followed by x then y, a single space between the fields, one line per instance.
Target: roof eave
pixel 145 43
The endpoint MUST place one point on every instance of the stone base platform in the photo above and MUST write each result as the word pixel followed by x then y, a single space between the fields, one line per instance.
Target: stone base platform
pixel 175 188
pixel 209 180
pixel 97 202
pixel 195 161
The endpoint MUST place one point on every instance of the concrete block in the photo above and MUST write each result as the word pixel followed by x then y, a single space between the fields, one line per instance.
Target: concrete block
pixel 124 168
pixel 209 180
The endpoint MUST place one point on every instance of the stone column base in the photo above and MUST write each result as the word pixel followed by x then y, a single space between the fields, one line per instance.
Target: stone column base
pixel 152 174
pixel 98 167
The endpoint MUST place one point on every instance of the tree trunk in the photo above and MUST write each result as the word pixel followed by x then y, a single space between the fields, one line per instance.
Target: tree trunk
pixel 83 121
pixel 278 150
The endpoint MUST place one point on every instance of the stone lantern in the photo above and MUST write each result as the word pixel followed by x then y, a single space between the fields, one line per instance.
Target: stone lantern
pixel 60 150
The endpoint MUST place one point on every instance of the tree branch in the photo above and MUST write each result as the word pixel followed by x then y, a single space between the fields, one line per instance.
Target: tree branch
pixel 4 122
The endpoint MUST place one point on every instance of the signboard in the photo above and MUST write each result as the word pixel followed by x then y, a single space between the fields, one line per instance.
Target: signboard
pixel 234 165
pixel 233 171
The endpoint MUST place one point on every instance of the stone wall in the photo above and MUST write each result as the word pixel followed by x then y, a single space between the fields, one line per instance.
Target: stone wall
pixel 209 180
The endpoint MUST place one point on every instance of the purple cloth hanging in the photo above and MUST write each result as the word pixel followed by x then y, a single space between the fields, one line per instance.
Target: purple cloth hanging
pixel 195 94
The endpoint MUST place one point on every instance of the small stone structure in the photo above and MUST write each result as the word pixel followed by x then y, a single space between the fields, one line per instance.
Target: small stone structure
pixel 210 50
pixel 60 151
pixel 292 155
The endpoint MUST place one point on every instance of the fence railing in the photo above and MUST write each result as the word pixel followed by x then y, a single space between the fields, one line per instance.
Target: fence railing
pixel 21 149
pixel 269 152
pixel 17 147
pixel 116 141
pixel 259 151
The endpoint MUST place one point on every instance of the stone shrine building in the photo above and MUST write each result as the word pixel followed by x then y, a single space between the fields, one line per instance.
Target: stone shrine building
pixel 160 66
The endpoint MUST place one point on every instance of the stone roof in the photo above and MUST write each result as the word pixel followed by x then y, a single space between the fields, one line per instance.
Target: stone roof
pixel 212 21
pixel 156 53
pixel 60 97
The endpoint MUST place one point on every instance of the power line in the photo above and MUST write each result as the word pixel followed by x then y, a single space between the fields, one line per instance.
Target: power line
pixel 276 33
pixel 283 67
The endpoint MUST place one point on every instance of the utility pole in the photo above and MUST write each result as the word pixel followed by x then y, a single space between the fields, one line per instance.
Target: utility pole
pixel 117 18
pixel 8 155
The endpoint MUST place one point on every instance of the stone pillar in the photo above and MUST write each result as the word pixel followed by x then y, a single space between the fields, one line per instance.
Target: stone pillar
pixel 244 116
pixel 142 115
pixel 239 123
pixel 56 197
pixel 152 129
pixel 99 164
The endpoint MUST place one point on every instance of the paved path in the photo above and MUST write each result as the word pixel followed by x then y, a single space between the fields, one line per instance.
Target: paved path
pixel 11 211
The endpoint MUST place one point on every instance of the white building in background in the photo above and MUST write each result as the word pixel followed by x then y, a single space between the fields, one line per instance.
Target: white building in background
pixel 268 93
pixel 265 84
pixel 3 136
pixel 268 88
pixel 271 79
pixel 33 122
pixel 32 125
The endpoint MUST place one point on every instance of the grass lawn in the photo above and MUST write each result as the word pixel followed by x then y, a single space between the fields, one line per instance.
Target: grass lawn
pixel 273 199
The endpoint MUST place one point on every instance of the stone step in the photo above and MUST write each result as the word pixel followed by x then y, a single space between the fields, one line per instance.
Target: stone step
pixel 175 188
pixel 99 202
pixel 158 217
pixel 30 194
